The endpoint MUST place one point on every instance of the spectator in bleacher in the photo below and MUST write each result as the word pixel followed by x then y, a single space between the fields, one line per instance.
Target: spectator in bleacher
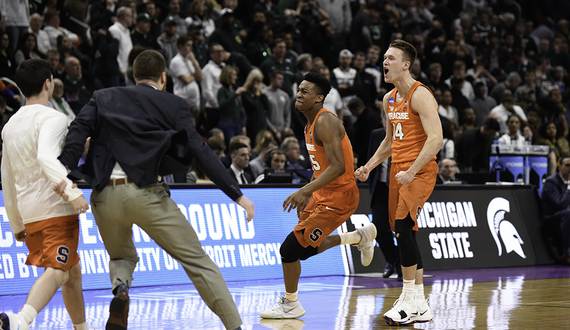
pixel 340 16
pixel 513 136
pixel 255 103
pixel 368 92
pixel 417 72
pixel 505 109
pixel 239 154
pixel 529 85
pixel 275 159
pixel 104 11
pixel 291 148
pixel 366 121
pixel 211 84
pixel 197 14
pixel 495 54
pixel 481 103
pixel 333 101
pixel 199 44
pixel 460 71
pixel 258 50
pixel 435 80
pixel 141 34
pixel 59 103
pixel 279 114
pixel 447 110
pixel 77 92
pixel 372 57
pixel 167 42
pixel 42 38
pixel 226 34
pixel 347 80
pixel 360 37
pixel 559 54
pixel 55 64
pixel 120 31
pixel 474 146
pixel 555 200
pixel 149 7
pixel 459 101
pixel 27 48
pixel 469 121
pixel 551 135
pixel 258 164
pixel 319 40
pixel 534 124
pixel 7 62
pixel 520 63
pixel 15 20
pixel 278 61
pixel 238 60
pixel 552 111
pixel 53 29
pixel 559 77
pixel 511 83
pixel 186 73
pixel 447 149
pixel 446 171
pixel 195 175
pixel 174 12
pixel 228 99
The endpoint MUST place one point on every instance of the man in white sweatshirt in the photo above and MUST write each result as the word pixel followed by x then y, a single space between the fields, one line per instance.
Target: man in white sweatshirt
pixel 33 139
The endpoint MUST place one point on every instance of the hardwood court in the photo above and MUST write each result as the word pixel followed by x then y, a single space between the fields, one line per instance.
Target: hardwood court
pixel 505 298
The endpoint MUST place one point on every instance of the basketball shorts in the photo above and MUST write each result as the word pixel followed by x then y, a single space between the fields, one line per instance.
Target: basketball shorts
pixel 410 198
pixel 53 242
pixel 326 211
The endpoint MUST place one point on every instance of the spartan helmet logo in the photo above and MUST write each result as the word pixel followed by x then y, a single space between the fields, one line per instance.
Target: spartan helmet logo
pixel 500 227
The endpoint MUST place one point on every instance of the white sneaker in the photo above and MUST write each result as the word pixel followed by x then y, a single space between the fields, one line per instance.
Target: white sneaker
pixel 367 243
pixel 403 311
pixel 11 321
pixel 291 324
pixel 284 309
pixel 424 312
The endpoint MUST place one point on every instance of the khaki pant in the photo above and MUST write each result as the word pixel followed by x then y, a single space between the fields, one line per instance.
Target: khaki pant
pixel 117 208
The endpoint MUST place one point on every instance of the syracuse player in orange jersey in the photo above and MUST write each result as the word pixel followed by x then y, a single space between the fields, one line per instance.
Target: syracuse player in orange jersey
pixel 323 204
pixel 413 139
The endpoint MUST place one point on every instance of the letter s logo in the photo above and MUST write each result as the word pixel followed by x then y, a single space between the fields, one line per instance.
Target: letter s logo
pixel 62 254
pixel 315 235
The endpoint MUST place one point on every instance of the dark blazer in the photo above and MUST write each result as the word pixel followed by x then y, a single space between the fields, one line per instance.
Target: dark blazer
pixel 376 137
pixel 247 175
pixel 555 194
pixel 148 132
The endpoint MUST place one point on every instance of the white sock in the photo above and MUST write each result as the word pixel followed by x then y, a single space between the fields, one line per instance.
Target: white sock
pixel 27 313
pixel 352 237
pixel 291 296
pixel 408 289
pixel 420 295
pixel 82 326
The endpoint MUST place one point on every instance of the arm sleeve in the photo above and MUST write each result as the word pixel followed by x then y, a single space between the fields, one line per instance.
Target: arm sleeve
pixel 50 139
pixel 10 196
pixel 204 157
pixel 207 83
pixel 177 68
pixel 558 200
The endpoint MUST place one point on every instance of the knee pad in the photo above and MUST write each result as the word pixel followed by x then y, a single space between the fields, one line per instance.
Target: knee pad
pixel 291 250
pixel 406 242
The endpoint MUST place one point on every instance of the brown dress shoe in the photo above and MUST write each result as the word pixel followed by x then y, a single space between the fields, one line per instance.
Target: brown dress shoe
pixel 119 312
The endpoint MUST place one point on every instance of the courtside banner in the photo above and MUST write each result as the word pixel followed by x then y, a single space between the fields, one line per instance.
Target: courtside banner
pixel 475 227
pixel 242 250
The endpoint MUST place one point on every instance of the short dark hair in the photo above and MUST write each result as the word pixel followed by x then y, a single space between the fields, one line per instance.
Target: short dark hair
pixel 322 84
pixel 410 52
pixel 492 123
pixel 273 74
pixel 182 40
pixel 149 64
pixel 236 146
pixel 31 76
pixel 355 103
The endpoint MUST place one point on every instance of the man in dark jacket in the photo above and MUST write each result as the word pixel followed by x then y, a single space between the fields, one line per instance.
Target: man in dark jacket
pixel 555 201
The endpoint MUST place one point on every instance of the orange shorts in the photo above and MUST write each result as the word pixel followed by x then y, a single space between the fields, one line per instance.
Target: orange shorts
pixel 53 242
pixel 326 211
pixel 410 198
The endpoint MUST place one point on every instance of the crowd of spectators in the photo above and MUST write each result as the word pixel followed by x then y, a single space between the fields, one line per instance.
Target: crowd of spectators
pixel 496 67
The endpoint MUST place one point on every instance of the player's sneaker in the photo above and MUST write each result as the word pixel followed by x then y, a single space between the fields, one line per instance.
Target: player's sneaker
pixel 288 324
pixel 403 311
pixel 11 321
pixel 284 309
pixel 367 242
pixel 424 312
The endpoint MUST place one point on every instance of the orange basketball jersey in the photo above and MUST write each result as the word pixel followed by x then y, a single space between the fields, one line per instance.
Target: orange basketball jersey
pixel 408 133
pixel 319 160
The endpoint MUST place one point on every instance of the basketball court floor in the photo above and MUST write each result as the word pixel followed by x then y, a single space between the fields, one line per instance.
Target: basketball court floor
pixel 499 298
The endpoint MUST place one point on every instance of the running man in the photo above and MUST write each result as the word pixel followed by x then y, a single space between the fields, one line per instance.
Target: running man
pixel 323 204
pixel 413 139
pixel 33 139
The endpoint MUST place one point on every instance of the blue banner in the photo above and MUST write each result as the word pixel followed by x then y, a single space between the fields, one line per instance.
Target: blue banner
pixel 242 250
